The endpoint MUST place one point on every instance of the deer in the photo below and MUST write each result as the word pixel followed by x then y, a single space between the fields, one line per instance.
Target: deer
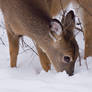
pixel 54 40
pixel 84 11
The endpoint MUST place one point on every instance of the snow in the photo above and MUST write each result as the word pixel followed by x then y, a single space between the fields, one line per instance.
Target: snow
pixel 30 77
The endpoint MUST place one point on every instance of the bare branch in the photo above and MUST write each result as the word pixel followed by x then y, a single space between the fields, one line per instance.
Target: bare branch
pixel 2 26
pixel 78 29
pixel 24 44
pixel 2 41
pixel 86 64
pixel 84 8
pixel 79 59
pixel 61 5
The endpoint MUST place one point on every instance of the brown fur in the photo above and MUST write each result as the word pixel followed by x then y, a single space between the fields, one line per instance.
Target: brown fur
pixel 87 19
pixel 87 22
pixel 31 18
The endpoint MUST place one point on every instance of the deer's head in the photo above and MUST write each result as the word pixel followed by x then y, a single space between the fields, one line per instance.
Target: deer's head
pixel 64 42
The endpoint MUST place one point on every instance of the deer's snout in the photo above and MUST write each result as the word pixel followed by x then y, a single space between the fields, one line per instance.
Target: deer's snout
pixel 71 72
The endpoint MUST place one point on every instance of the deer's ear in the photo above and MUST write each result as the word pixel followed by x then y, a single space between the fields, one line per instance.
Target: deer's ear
pixel 70 20
pixel 70 15
pixel 56 27
pixel 55 30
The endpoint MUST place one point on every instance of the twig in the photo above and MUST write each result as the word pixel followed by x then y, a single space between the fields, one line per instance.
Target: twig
pixel 80 24
pixel 2 41
pixel 24 43
pixel 84 8
pixel 86 64
pixel 2 26
pixel 79 59
pixel 78 29
pixel 61 5
pixel 24 51
pixel 63 11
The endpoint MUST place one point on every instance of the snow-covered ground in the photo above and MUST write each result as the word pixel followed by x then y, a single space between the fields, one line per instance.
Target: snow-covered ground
pixel 30 77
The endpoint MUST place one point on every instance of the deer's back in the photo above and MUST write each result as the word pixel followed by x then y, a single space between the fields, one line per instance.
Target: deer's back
pixel 24 16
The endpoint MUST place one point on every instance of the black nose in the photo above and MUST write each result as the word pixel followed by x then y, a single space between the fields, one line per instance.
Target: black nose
pixel 70 73
pixel 67 59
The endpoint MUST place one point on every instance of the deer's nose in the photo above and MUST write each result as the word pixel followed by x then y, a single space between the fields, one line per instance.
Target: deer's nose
pixel 67 59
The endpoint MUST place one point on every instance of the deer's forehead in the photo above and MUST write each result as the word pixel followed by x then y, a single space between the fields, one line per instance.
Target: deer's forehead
pixel 63 44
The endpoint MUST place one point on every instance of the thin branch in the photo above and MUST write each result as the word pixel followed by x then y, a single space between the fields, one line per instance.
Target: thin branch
pixel 2 26
pixel 79 59
pixel 2 41
pixel 61 5
pixel 78 29
pixel 84 8
pixel 24 43
pixel 86 64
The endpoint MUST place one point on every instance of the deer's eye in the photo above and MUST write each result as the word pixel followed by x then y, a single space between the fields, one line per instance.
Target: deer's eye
pixel 67 59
